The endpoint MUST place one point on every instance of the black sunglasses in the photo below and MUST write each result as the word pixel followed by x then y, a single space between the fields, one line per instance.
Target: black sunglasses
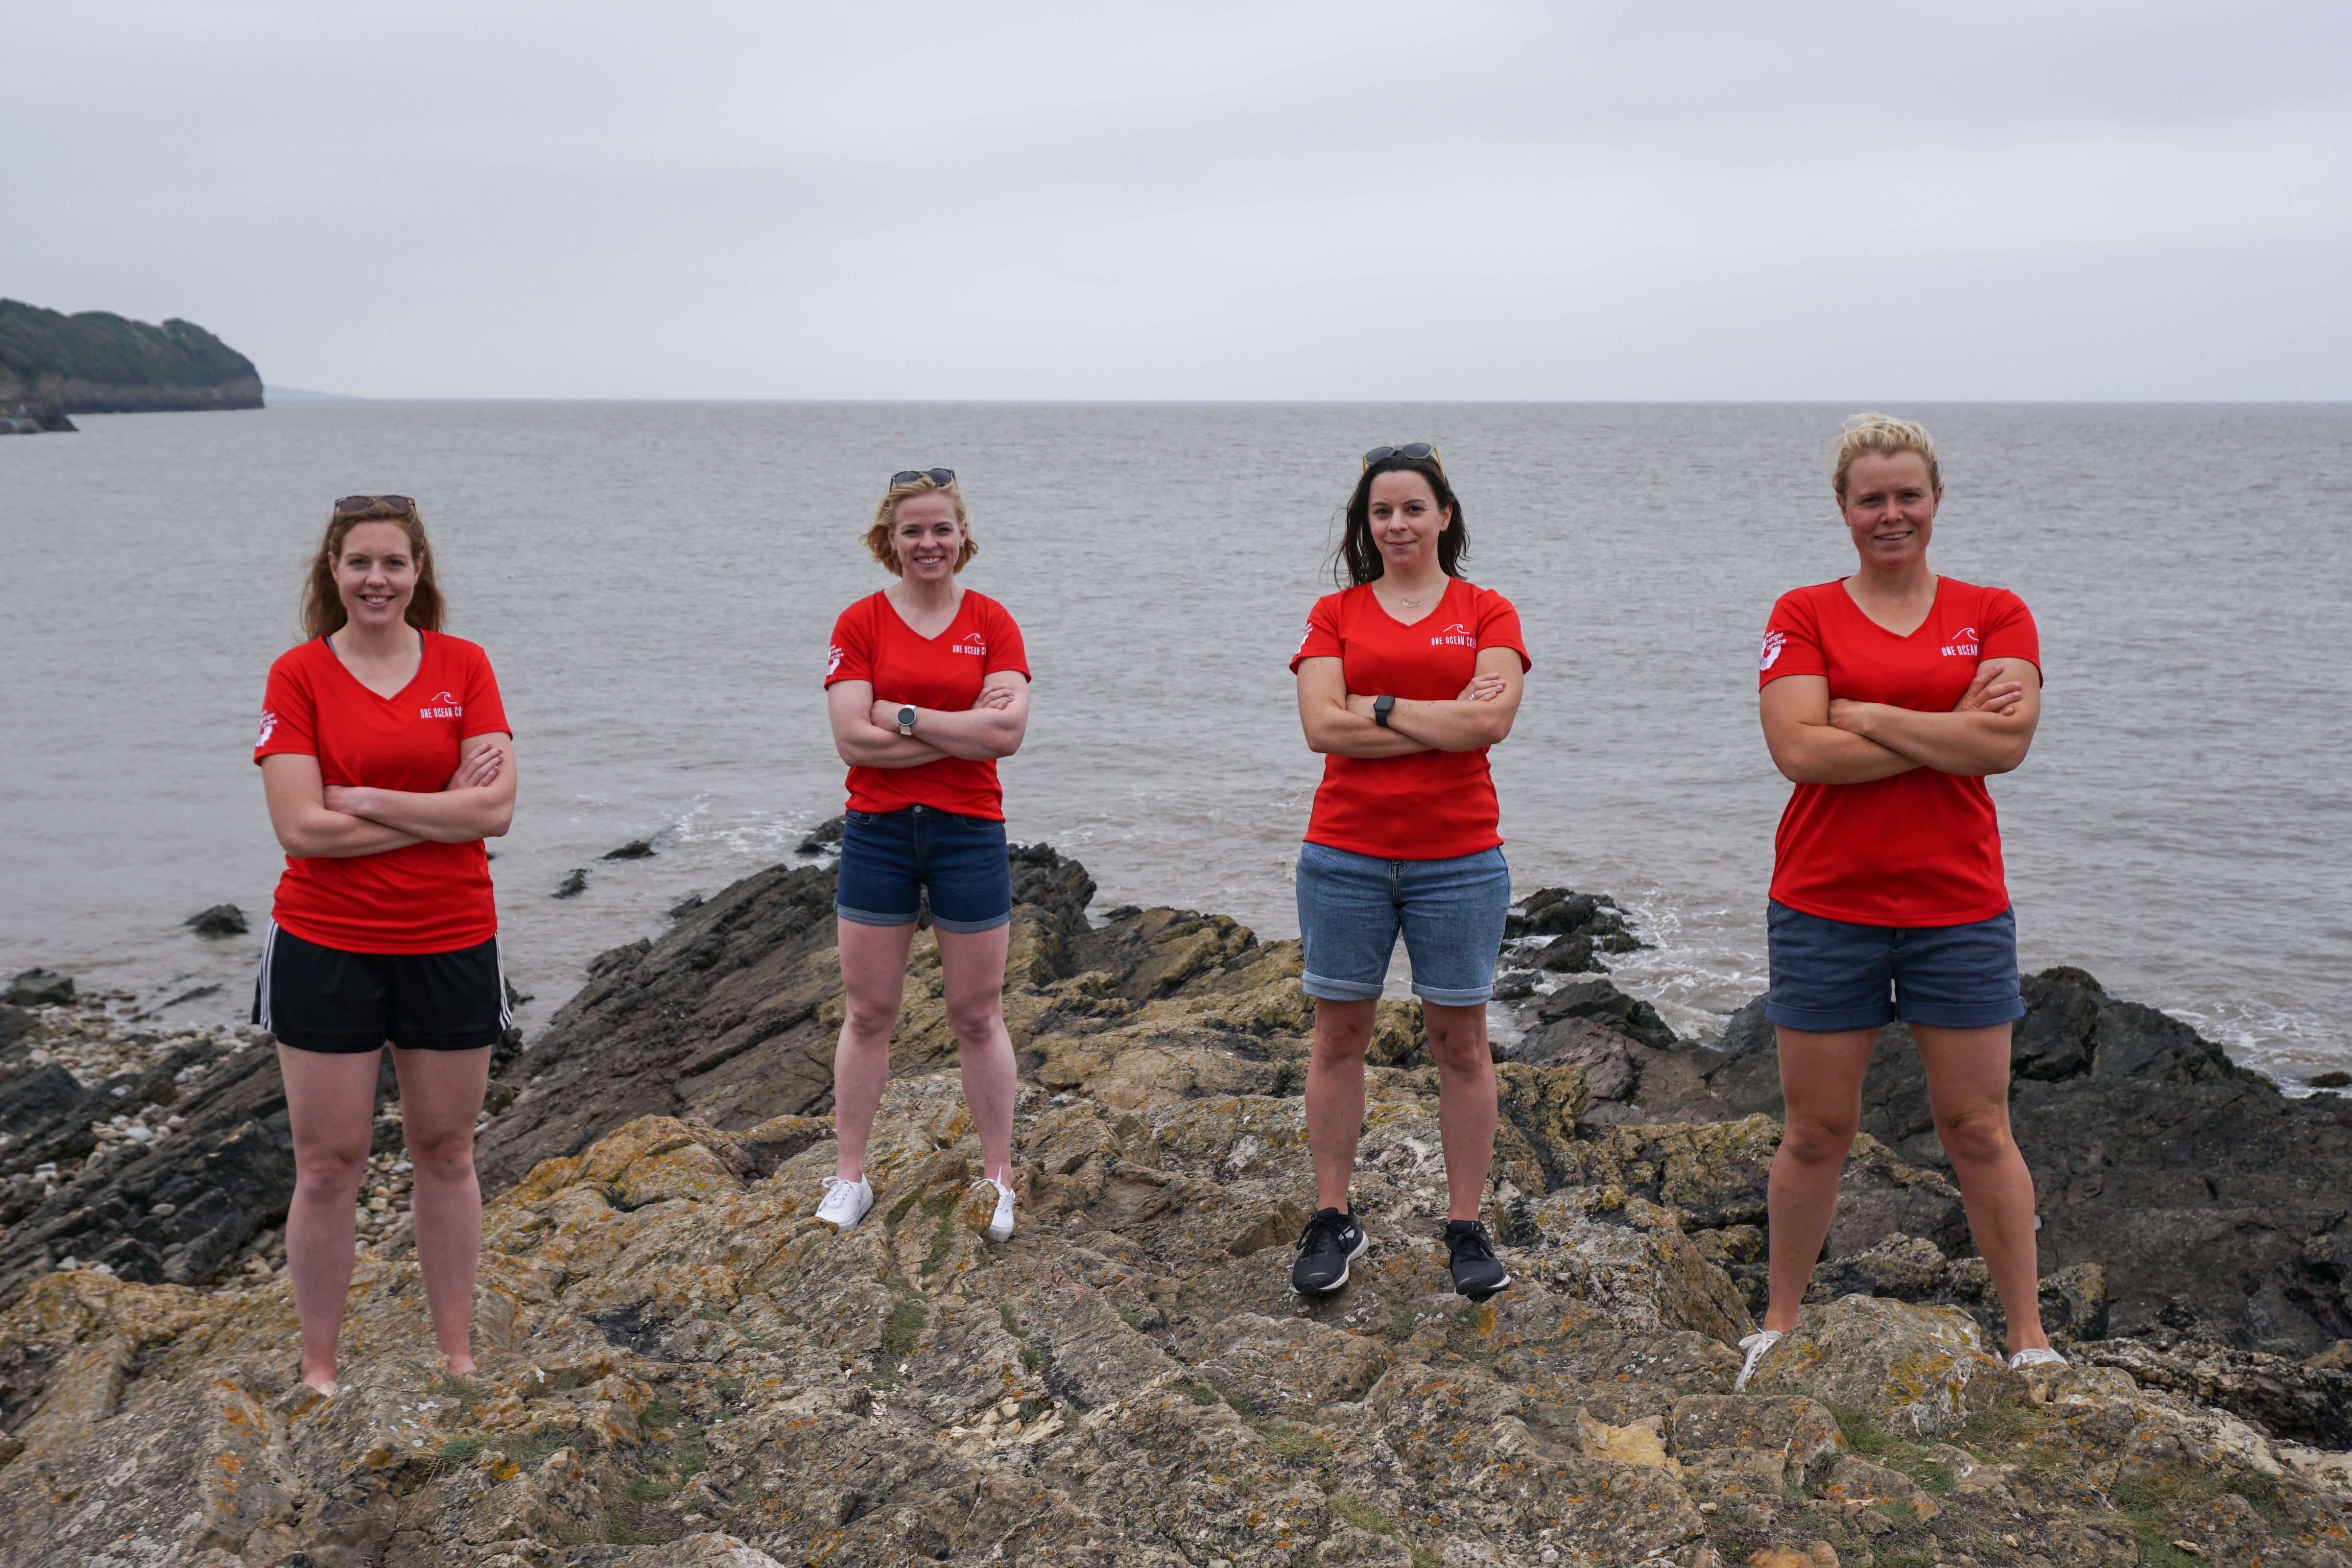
pixel 348 505
pixel 942 477
pixel 1411 452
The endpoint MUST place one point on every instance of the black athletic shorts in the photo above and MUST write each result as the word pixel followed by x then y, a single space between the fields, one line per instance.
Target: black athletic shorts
pixel 318 999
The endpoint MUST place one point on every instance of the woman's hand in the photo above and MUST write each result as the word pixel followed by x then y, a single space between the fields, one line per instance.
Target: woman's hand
pixel 884 715
pixel 992 697
pixel 1986 695
pixel 476 770
pixel 1485 687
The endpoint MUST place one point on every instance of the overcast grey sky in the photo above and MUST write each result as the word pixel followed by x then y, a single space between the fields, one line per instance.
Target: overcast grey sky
pixel 1307 200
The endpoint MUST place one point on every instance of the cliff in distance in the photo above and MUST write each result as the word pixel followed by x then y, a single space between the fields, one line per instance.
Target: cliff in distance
pixel 98 363
pixel 680 1368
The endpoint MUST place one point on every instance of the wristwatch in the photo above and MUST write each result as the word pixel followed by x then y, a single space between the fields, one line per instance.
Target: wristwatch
pixel 1381 709
pixel 906 718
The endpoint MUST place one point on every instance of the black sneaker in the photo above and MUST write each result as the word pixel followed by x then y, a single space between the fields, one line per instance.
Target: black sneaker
pixel 1478 1273
pixel 1332 1239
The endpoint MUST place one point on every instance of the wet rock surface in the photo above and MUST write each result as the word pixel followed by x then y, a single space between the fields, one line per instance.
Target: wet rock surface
pixel 679 1366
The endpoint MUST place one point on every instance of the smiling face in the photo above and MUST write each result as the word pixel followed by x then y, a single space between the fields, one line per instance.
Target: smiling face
pixel 926 537
pixel 375 574
pixel 1890 508
pixel 1405 519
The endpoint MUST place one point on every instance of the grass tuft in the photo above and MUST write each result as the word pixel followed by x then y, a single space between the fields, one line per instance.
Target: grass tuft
pixel 1859 1433
pixel 1362 1515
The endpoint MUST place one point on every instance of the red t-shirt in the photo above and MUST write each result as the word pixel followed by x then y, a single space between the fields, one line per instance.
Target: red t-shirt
pixel 1425 805
pixel 422 898
pixel 872 642
pixel 1921 848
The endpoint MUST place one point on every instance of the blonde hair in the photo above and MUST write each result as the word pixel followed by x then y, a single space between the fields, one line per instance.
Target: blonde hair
pixel 322 604
pixel 885 518
pixel 1884 433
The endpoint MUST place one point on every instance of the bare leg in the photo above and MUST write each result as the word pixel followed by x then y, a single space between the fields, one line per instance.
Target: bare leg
pixel 972 965
pixel 1968 1083
pixel 330 1101
pixel 1334 1096
pixel 873 980
pixel 440 1096
pixel 1821 1080
pixel 1465 1101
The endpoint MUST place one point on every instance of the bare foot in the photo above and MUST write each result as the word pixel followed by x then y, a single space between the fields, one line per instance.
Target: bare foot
pixel 461 1365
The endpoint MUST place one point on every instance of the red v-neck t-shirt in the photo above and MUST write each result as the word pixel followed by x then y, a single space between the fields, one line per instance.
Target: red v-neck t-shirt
pixel 1922 848
pixel 1423 805
pixel 420 897
pixel 872 642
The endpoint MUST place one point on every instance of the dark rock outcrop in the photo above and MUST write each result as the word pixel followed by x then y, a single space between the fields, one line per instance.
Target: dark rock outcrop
pixel 40 988
pixel 220 919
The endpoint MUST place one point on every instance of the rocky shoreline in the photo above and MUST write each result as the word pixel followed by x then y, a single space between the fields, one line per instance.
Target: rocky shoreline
pixel 679 1367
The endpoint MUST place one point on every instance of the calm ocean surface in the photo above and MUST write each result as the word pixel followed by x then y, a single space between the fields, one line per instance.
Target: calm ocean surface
pixel 655 583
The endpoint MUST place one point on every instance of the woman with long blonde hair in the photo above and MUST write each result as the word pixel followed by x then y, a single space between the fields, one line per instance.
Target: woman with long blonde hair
pixel 386 758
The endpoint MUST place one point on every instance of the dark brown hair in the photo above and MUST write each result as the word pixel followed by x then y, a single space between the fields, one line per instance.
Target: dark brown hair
pixel 1358 560
pixel 322 605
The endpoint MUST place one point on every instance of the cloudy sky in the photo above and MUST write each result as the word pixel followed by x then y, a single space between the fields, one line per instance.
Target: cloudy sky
pixel 1280 199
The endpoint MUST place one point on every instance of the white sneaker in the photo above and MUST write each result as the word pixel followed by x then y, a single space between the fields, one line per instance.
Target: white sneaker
pixel 1000 1223
pixel 845 1202
pixel 1758 1345
pixel 2039 1356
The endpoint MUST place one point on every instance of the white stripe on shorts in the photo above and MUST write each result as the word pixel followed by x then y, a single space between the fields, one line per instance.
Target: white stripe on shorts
pixel 499 961
pixel 261 981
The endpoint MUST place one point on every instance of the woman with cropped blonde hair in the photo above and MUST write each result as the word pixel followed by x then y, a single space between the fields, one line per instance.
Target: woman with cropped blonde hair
pixel 386 758
pixel 1887 698
pixel 927 685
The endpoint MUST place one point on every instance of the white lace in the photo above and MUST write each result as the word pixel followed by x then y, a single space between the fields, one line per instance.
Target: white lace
pixel 1758 1345
pixel 833 1182
pixel 2039 1356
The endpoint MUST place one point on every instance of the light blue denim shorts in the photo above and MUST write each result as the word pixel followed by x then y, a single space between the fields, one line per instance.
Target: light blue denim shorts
pixel 1351 906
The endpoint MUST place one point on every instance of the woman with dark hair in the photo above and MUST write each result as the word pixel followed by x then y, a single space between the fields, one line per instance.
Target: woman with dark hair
pixel 1887 697
pixel 1405 677
pixel 386 758
pixel 925 687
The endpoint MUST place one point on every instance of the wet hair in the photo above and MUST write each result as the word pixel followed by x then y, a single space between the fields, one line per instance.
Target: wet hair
pixel 1886 435
pixel 322 603
pixel 1358 560
pixel 885 518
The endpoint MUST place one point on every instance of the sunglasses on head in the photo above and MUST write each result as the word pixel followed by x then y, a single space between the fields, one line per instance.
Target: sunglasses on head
pixel 1411 452
pixel 350 506
pixel 942 477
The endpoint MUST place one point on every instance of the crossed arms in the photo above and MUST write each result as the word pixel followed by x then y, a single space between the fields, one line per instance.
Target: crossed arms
pixel 1815 738
pixel 1340 723
pixel 866 728
pixel 317 820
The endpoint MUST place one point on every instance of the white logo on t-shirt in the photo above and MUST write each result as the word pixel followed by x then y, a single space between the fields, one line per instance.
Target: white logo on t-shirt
pixel 973 643
pixel 1457 635
pixel 443 706
pixel 1964 644
pixel 1772 641
pixel 832 660
pixel 268 728
pixel 1305 634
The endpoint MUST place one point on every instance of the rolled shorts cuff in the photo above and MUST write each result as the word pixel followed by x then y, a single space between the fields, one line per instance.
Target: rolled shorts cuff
pixel 1472 998
pixel 869 918
pixel 1825 1021
pixel 965 928
pixel 1956 1015
pixel 1324 990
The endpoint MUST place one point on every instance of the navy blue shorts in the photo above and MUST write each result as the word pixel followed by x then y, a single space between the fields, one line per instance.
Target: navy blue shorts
pixel 888 857
pixel 1830 975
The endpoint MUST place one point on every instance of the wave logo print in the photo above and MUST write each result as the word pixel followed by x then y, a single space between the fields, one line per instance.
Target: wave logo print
pixel 268 728
pixel 972 643
pixel 833 656
pixel 1770 655
pixel 1457 635
pixel 1964 644
pixel 443 706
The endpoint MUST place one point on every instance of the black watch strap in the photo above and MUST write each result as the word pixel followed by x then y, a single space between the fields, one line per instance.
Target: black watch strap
pixel 1381 706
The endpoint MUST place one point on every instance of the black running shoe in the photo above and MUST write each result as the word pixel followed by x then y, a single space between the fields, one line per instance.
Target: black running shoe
pixel 1478 1273
pixel 1332 1239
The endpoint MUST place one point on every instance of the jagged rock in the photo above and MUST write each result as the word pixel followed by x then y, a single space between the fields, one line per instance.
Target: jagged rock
pixel 40 988
pixel 220 919
pixel 1914 1369
pixel 574 883
pixel 634 849
pixel 825 835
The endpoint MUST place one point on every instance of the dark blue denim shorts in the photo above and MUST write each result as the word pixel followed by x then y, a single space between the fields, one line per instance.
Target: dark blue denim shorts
pixel 888 857
pixel 1829 975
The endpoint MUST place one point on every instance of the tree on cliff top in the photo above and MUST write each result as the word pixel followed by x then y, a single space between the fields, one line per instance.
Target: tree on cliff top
pixel 39 345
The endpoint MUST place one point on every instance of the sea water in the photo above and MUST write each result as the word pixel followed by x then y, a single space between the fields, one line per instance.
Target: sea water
pixel 655 583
